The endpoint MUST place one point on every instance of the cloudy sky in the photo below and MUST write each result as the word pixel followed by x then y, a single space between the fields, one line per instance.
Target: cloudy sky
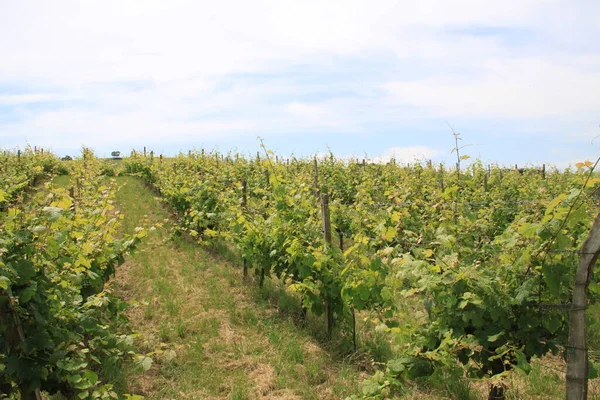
pixel 520 80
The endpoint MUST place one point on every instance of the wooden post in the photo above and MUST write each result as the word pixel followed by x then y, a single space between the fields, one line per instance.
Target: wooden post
pixel 315 177
pixel 258 156
pixel 244 207
pixel 577 352
pixel 354 329
pixel 144 151
pixel 152 155
pixel 543 171
pixel 327 244
pixel 485 183
pixel 78 184
pixel 19 155
pixel 72 195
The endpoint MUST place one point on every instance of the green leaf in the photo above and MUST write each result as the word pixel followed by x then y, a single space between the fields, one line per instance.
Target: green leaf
pixel 389 234
pixel 145 362
pixel 25 270
pixel 397 366
pixel 495 337
pixel 4 282
pixel 90 376
pixel 28 293
pixel 370 388
pixel 53 213
pixel 522 362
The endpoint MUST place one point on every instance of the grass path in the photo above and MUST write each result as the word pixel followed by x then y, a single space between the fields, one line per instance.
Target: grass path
pixel 217 338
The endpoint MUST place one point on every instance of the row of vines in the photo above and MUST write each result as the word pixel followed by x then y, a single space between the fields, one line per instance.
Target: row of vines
pixel 61 330
pixel 486 255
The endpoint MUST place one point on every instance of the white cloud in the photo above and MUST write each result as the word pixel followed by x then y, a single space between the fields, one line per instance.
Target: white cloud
pixel 16 99
pixel 523 88
pixel 407 154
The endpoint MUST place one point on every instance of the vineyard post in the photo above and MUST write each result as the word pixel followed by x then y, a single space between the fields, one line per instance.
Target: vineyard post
pixel 19 156
pixel 258 156
pixel 72 195
pixel 543 171
pixel 160 160
pixel 352 310
pixel 327 244
pixel 485 183
pixel 42 150
pixel 363 162
pixel 152 156
pixel 78 183
pixel 316 177
pixel 441 177
pixel 577 352
pixel 144 151
pixel 244 206
pixel 267 178
pixel 276 159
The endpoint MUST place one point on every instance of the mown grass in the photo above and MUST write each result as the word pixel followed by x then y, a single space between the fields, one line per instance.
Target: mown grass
pixel 229 341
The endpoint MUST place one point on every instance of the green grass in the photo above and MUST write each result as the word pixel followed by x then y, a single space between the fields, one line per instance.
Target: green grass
pixel 230 341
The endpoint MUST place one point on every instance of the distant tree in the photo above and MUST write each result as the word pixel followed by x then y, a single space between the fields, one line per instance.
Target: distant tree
pixel 67 158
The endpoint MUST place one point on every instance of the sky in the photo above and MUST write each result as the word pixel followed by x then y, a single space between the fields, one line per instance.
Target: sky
pixel 519 80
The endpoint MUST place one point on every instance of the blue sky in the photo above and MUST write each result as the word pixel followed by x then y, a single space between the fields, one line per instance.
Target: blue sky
pixel 518 79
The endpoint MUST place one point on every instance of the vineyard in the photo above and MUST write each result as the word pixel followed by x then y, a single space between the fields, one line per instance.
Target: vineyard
pixel 466 273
